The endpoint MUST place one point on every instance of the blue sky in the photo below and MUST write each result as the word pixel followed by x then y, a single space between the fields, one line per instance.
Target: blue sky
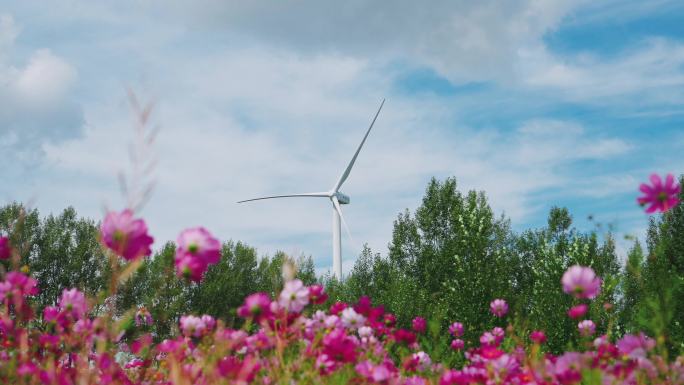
pixel 538 103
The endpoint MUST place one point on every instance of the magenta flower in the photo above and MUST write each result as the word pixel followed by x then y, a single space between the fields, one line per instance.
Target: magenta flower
pixel 498 307
pixel 257 306
pixel 73 302
pixel 578 311
pixel 5 250
pixel 190 267
pixel 581 282
pixel 125 235
pixel 538 337
pixel 339 347
pixel 586 328
pixel 317 294
pixel 199 243
pixel 457 344
pixel 197 249
pixel 419 324
pixel 294 296
pixel 660 197
pixel 456 329
pixel 143 317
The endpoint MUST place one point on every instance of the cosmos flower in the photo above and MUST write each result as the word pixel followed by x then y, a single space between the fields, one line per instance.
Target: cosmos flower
pixel 578 311
pixel 581 282
pixel 73 302
pixel 5 250
pixel 317 294
pixel 498 307
pixel 457 344
pixel 143 317
pixel 125 235
pixel 419 324
pixel 658 196
pixel 294 296
pixel 256 306
pixel 351 319
pixel 586 328
pixel 197 249
pixel 538 337
pixel 456 329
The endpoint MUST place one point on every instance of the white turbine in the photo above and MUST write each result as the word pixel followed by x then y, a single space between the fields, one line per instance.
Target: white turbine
pixel 337 198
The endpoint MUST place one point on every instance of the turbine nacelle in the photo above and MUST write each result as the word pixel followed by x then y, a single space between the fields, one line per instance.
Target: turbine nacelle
pixel 342 198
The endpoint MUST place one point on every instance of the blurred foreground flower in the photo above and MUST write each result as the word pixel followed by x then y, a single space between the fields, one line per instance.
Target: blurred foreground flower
pixel 197 249
pixel 660 197
pixel 581 282
pixel 125 235
pixel 5 250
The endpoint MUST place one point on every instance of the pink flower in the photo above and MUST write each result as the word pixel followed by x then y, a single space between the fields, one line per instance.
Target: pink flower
pixel 499 334
pixel 73 302
pixel 337 308
pixel 406 336
pixel 125 235
pixel 50 314
pixel 498 307
pixel 209 322
pixel 568 368
pixel 660 197
pixel 257 306
pixel 635 346
pixel 351 319
pixel 455 377
pixel 488 339
pixel 456 329
pixel 457 344
pixel 339 347
pixel 5 250
pixel 415 380
pixel 17 284
pixel 538 337
pixel 317 294
pixel 581 282
pixel 190 267
pixel 143 317
pixel 419 324
pixel 578 311
pixel 378 374
pixel 586 328
pixel 192 326
pixel 197 249
pixel 389 320
pixel 294 296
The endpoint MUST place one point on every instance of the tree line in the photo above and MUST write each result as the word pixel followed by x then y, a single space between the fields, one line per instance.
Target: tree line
pixel 446 261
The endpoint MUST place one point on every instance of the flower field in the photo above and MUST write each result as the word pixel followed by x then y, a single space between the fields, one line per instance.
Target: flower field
pixel 301 336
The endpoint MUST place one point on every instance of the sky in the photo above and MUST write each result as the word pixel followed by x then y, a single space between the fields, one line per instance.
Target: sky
pixel 567 103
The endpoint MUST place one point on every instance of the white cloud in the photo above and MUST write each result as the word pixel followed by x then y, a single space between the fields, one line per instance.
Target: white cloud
pixel 647 74
pixel 45 79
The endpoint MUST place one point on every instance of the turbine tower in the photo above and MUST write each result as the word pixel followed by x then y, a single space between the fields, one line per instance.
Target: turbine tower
pixel 337 198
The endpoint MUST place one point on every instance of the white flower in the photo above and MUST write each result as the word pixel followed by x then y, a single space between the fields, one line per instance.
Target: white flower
pixel 294 296
pixel 351 319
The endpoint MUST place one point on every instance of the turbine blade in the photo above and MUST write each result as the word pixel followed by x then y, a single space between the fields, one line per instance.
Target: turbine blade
pixel 314 194
pixel 336 203
pixel 346 172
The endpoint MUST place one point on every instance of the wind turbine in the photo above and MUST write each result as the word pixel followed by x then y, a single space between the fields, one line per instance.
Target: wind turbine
pixel 337 198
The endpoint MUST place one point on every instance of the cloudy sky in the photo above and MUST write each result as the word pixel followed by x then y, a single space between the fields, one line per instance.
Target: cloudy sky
pixel 538 103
